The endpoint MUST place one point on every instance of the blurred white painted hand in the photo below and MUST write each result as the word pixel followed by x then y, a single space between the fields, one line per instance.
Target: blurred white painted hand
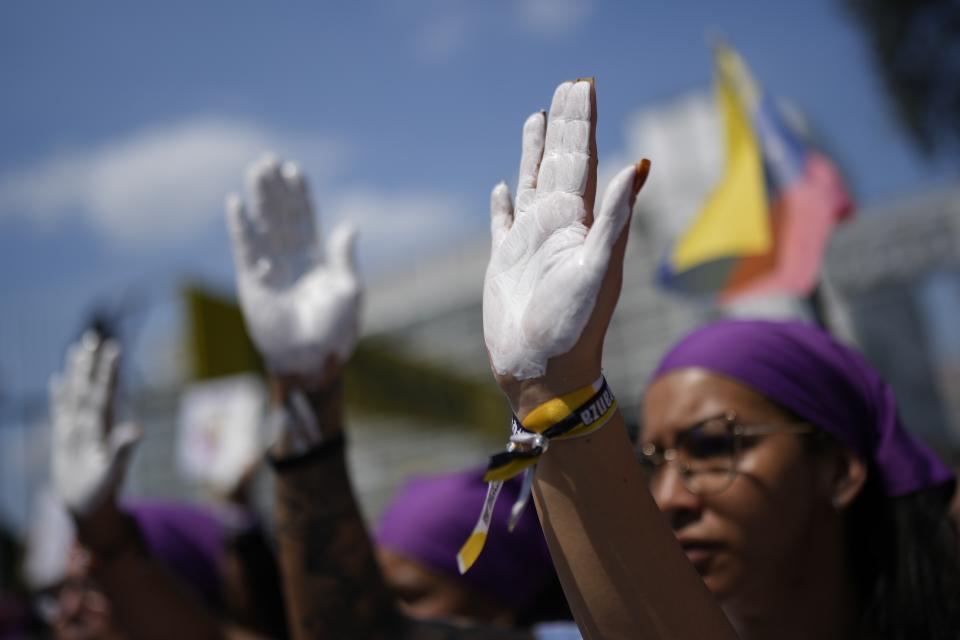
pixel 550 255
pixel 300 308
pixel 89 455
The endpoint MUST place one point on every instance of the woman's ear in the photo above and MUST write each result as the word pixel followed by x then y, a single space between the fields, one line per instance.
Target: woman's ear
pixel 846 479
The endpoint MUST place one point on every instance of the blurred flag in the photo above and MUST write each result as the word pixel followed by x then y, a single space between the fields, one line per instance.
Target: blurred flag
pixel 381 378
pixel 217 340
pixel 764 227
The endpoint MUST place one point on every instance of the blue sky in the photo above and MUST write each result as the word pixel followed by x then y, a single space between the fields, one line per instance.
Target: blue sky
pixel 125 124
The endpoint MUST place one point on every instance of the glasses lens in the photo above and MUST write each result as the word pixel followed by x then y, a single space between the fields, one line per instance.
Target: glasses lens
pixel 706 456
pixel 647 457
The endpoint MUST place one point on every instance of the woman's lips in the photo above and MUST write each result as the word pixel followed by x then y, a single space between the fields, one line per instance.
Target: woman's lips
pixel 700 552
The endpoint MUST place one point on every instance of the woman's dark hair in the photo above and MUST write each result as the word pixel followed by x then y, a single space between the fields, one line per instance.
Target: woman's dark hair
pixel 903 554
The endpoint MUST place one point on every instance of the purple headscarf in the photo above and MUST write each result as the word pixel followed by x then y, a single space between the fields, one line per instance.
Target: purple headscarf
pixel 187 539
pixel 803 369
pixel 431 517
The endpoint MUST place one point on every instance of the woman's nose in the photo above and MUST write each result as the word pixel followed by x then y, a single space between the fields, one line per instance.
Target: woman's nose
pixel 673 497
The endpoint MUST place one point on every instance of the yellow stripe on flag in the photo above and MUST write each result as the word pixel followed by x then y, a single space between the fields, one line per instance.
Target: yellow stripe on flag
pixel 734 220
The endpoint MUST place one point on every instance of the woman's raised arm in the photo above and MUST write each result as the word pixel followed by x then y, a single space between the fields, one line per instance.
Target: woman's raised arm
pixel 551 286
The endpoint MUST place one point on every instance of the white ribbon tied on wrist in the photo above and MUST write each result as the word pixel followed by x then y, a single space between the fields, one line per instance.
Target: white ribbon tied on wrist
pixel 546 266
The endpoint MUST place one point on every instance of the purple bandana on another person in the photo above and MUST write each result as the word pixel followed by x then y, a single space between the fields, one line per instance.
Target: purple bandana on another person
pixel 187 539
pixel 805 370
pixel 430 517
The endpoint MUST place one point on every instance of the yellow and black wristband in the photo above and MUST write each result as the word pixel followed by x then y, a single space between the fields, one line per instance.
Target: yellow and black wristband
pixel 588 417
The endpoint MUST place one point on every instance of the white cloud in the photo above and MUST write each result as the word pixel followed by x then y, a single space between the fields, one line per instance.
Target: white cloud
pixel 397 226
pixel 448 27
pixel 442 36
pixel 162 184
pixel 682 138
pixel 552 17
pixel 156 184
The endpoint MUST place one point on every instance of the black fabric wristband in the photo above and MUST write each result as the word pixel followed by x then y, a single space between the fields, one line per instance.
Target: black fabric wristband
pixel 329 447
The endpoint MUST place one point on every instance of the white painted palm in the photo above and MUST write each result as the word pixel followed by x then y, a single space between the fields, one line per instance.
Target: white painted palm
pixel 300 306
pixel 550 254
pixel 89 457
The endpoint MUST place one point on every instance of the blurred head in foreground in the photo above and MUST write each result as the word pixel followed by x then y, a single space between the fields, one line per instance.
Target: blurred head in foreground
pixel 223 560
pixel 512 584
pixel 779 459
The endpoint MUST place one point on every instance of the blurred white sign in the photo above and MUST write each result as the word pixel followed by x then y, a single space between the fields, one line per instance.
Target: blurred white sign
pixel 220 430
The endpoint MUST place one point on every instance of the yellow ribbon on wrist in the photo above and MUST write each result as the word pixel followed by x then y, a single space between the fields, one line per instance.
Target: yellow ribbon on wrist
pixel 553 411
pixel 572 415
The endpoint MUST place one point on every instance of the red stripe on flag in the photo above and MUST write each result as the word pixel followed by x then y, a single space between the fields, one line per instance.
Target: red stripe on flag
pixel 802 219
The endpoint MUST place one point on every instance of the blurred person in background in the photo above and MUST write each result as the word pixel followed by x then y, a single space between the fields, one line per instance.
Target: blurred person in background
pixel 144 570
pixel 301 306
pixel 421 530
pixel 780 474
pixel 197 547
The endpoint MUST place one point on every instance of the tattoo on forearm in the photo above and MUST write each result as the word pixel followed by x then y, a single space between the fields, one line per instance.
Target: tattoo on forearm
pixel 333 585
pixel 331 577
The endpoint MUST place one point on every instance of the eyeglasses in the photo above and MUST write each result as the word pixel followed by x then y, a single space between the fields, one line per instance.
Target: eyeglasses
pixel 707 455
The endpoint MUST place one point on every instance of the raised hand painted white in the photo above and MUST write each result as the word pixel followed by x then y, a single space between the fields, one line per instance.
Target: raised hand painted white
pixel 89 458
pixel 299 308
pixel 547 265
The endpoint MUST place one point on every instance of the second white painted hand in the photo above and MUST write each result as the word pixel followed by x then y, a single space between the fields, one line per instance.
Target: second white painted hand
pixel 300 308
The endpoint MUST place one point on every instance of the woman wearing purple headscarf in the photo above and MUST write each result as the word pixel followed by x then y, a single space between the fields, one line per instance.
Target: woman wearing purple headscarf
pixel 779 460
pixel 775 453
pixel 513 585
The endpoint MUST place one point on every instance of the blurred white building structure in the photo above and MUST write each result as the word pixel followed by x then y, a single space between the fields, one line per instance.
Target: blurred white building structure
pixel 876 267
